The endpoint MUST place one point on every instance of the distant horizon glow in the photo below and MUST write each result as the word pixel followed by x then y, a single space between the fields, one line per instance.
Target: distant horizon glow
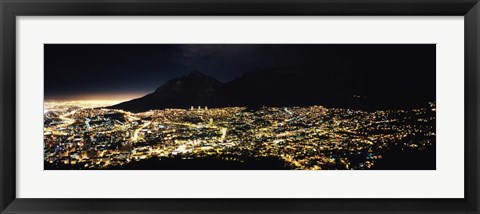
pixel 98 97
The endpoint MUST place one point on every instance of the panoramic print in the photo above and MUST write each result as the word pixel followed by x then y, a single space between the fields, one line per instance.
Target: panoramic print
pixel 239 107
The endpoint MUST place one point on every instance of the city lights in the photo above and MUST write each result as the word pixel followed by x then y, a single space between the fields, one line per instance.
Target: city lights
pixel 83 135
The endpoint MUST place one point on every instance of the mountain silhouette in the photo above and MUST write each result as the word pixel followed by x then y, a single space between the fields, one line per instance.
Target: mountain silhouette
pixel 290 86
pixel 194 89
pixel 287 86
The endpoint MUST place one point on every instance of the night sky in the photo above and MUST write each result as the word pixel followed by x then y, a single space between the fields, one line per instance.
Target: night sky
pixel 125 71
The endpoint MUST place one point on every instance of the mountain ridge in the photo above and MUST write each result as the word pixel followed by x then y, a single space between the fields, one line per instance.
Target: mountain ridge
pixel 293 86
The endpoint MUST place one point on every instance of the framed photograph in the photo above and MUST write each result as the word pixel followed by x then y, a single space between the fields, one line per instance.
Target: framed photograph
pixel 239 107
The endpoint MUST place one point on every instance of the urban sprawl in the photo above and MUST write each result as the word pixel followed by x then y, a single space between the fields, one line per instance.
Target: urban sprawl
pixel 83 135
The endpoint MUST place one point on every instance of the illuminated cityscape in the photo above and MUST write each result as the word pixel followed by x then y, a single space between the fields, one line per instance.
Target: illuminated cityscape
pixel 239 107
pixel 77 136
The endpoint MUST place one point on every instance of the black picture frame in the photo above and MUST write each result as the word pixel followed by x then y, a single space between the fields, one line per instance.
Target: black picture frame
pixel 10 9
